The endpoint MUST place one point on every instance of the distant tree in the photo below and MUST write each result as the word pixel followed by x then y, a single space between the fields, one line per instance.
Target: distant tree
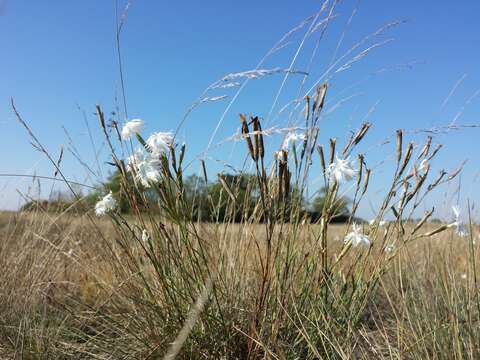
pixel 59 201
pixel 244 187
pixel 340 209
pixel 114 184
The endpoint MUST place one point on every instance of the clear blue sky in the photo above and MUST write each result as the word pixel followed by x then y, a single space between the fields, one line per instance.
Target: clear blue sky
pixel 57 54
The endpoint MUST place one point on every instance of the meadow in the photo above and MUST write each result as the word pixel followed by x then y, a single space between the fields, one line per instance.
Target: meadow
pixel 263 280
pixel 66 294
pixel 158 261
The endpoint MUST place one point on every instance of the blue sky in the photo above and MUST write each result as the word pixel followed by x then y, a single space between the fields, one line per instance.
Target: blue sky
pixel 59 55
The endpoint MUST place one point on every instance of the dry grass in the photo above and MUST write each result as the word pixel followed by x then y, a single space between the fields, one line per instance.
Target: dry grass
pixel 260 281
pixel 424 305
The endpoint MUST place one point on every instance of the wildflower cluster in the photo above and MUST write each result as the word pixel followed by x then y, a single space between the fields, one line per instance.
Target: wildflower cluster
pixel 460 228
pixel 357 237
pixel 107 204
pixel 341 170
pixel 132 127
pixel 145 162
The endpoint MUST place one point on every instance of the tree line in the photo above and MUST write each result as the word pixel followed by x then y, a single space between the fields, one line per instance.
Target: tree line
pixel 208 201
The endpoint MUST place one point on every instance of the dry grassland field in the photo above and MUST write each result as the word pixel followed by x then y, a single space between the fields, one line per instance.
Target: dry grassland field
pixel 303 206
pixel 71 289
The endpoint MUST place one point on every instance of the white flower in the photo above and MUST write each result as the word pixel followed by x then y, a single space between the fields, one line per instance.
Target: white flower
pixel 423 167
pixel 460 228
pixel 131 127
pixel 145 236
pixel 107 204
pixel 356 237
pixel 136 158
pixel 148 172
pixel 463 276
pixel 292 137
pixel 145 167
pixel 159 142
pixel 389 248
pixel 341 170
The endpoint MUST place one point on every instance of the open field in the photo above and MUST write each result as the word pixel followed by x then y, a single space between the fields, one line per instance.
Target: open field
pixel 296 203
pixel 156 264
pixel 64 296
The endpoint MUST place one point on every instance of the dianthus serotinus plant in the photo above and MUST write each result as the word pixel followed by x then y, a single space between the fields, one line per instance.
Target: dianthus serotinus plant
pixel 259 280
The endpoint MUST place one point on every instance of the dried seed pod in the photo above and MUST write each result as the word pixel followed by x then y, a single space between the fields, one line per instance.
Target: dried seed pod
pixel 360 169
pixel 367 178
pixel 307 110
pixel 406 160
pixel 246 135
pixel 333 142
pixel 437 180
pixel 399 145
pixel 361 133
pixel 322 94
pixel 322 158
pixel 426 147
pixel 406 186
pixel 456 172
pixel 261 148
pixel 417 187
pixel 320 97
pixel 437 148
pixel 256 137
pixel 436 231
pixel 422 221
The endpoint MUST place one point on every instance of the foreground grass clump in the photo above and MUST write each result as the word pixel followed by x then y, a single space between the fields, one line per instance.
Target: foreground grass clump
pixel 423 306
pixel 259 281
